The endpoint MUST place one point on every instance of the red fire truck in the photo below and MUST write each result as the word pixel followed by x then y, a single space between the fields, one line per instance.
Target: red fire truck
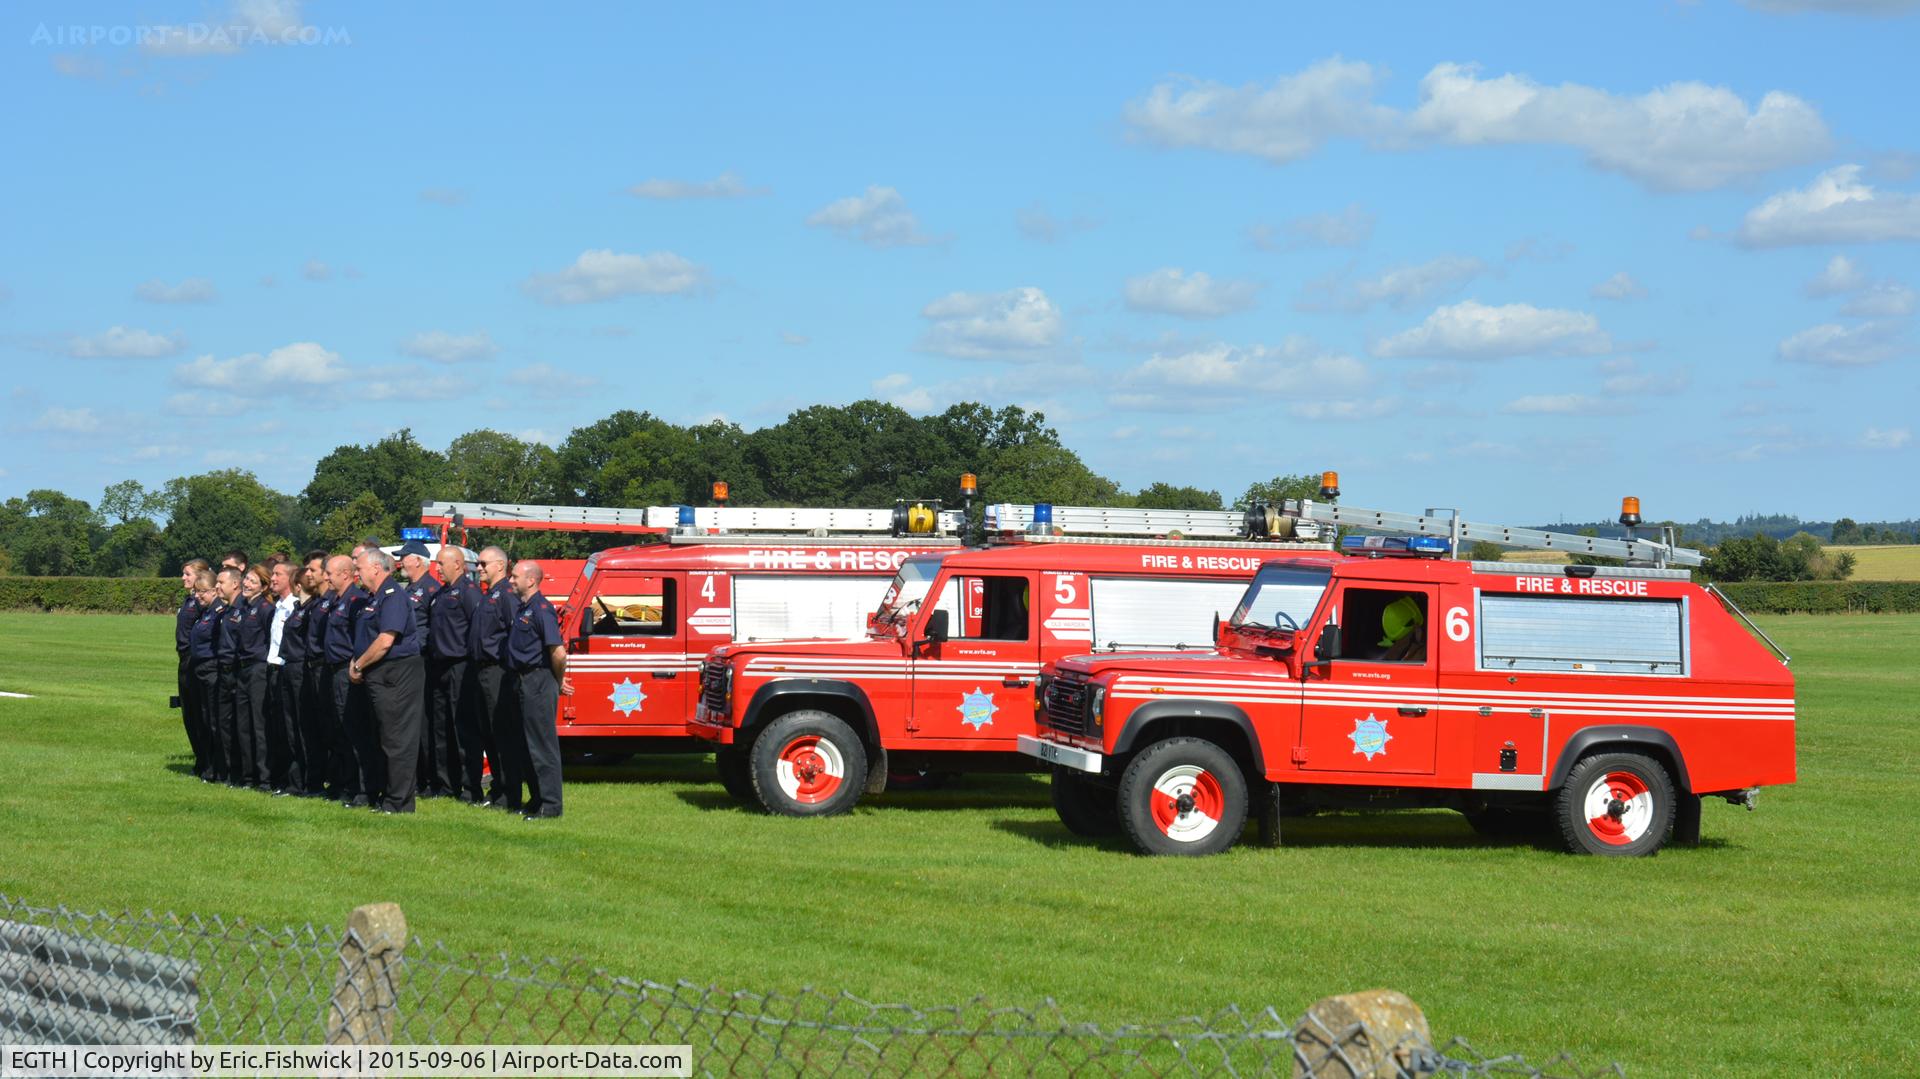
pixel 640 618
pixel 1598 702
pixel 453 519
pixel 942 681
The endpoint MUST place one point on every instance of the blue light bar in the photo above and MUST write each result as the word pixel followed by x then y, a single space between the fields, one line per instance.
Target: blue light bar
pixel 418 532
pixel 1379 546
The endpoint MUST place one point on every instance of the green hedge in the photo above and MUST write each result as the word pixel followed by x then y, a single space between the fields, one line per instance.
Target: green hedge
pixel 1825 597
pixel 116 595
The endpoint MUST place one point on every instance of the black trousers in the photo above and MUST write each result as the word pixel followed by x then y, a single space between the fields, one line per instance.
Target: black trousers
pixel 358 772
pixel 289 742
pixel 185 685
pixel 440 748
pixel 539 697
pixel 397 697
pixel 231 769
pixel 316 729
pixel 473 734
pixel 203 704
pixel 250 703
pixel 500 705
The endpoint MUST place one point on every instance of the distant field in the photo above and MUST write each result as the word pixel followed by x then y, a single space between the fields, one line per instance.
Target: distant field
pixel 1784 944
pixel 1891 563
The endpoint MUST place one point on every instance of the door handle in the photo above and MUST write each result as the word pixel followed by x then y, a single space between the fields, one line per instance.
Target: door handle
pixel 1407 710
pixel 666 674
pixel 1015 683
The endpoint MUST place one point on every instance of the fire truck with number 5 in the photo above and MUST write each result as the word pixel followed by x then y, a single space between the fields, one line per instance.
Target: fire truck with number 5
pixel 1599 703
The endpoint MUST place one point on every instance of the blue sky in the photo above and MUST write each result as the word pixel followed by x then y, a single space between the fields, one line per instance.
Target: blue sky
pixel 1516 258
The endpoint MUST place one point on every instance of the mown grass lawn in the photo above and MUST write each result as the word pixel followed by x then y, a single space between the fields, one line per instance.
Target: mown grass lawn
pixel 1789 942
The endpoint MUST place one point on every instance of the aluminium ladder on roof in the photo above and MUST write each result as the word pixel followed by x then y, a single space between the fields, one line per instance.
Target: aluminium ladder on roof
pixel 1450 525
pixel 811 521
pixel 1091 521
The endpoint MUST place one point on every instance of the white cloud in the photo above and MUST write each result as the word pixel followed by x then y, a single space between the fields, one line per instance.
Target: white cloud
pixel 119 342
pixel 605 275
pixel 1625 378
pixel 68 421
pixel 1833 345
pixel 1561 404
pixel 1840 276
pixel 444 196
pixel 191 290
pixel 1358 409
pixel 247 23
pixel 1283 122
pixel 1035 223
pixel 1471 330
pixel 158 450
pixel 1620 286
pixel 727 185
pixel 878 218
pixel 443 347
pixel 1018 324
pixel 1351 227
pixel 303 364
pixel 544 380
pixel 897 389
pixel 1683 136
pixel 315 270
pixel 1297 367
pixel 76 65
pixel 1836 208
pixel 1892 438
pixel 1401 286
pixel 1883 299
pixel 1173 291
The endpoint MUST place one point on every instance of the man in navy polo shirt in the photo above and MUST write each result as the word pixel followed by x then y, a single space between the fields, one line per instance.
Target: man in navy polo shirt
pixel 416 565
pixel 346 700
pixel 448 742
pixel 389 641
pixel 496 711
pixel 538 656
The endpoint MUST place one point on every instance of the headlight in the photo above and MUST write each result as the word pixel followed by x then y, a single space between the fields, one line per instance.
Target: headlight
pixel 726 680
pixel 1096 699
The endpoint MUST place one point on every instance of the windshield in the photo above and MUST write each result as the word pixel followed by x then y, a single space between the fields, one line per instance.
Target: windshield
pixel 909 587
pixel 1281 597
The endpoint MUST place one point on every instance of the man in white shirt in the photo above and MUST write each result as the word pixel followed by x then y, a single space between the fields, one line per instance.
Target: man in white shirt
pixel 279 748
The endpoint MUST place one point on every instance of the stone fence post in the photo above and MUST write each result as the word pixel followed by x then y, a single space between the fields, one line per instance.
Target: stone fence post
pixel 365 1004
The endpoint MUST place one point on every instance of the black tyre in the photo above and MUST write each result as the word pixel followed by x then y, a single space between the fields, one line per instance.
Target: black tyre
pixel 735 774
pixel 1085 807
pixel 1617 804
pixel 807 764
pixel 1510 822
pixel 1183 796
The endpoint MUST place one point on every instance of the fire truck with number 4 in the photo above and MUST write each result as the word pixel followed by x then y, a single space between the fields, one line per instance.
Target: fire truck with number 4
pixel 1600 703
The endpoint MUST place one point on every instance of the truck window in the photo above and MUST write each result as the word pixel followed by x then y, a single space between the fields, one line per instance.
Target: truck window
pixel 1555 633
pixel 1282 596
pixel 1129 613
pixel 1004 606
pixel 633 607
pixel 1380 625
pixel 786 607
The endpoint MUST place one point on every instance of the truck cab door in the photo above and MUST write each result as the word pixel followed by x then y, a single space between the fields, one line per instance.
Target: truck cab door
pixel 977 685
pixel 629 667
pixel 1373 707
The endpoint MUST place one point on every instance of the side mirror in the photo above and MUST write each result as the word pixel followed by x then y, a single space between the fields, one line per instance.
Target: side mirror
pixel 576 645
pixel 1217 627
pixel 936 626
pixel 1328 646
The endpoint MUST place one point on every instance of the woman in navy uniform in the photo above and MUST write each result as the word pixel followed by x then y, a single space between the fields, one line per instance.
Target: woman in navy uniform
pixel 496 715
pixel 183 620
pixel 538 656
pixel 227 649
pixel 389 664
pixel 315 728
pixel 288 655
pixel 251 678
pixel 203 680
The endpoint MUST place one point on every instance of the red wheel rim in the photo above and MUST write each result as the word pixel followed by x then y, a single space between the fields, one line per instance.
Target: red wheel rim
pixel 1619 808
pixel 1187 803
pixel 810 769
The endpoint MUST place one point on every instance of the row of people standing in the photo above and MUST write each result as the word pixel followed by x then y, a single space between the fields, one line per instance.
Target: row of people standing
pixel 333 678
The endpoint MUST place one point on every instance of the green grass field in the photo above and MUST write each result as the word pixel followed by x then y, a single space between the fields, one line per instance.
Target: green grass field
pixel 1786 943
pixel 1891 563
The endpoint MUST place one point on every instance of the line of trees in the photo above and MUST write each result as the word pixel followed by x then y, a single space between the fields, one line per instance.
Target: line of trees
pixel 864 454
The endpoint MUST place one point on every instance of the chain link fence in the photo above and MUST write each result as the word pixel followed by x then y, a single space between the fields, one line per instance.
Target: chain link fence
pixel 70 977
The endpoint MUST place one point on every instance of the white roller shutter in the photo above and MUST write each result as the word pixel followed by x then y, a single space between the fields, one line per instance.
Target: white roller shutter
pixel 1540 633
pixel 1131 613
pixel 791 607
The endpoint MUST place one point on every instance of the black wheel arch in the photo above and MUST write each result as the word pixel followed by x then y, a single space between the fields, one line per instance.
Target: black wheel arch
pixel 1622 738
pixel 1158 720
pixel 832 695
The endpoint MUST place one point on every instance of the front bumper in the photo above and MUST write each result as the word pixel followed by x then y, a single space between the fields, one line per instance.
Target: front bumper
pixel 1066 756
pixel 711 726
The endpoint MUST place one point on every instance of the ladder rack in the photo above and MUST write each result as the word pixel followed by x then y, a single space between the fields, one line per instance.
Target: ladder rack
pixel 798 522
pixel 1449 525
pixel 1068 523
